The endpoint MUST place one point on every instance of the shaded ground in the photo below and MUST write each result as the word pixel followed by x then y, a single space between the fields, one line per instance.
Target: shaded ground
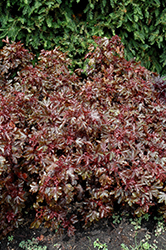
pixel 115 231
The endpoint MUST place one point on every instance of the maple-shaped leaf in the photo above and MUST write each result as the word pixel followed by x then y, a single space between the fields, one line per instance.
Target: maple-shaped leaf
pixel 34 187
pixel 162 197
pixel 2 163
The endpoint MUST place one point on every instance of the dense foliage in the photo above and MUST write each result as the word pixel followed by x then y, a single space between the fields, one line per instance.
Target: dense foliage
pixel 75 145
pixel 160 87
pixel 70 24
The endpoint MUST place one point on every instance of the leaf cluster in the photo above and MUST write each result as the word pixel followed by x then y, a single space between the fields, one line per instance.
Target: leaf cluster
pixel 76 146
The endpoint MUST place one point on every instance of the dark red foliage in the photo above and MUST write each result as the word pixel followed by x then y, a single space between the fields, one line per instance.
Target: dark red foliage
pixel 13 57
pixel 160 87
pixel 79 147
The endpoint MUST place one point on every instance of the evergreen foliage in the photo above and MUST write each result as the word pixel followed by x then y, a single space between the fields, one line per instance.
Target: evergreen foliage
pixel 71 24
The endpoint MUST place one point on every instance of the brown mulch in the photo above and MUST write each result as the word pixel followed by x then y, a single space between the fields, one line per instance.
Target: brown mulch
pixel 105 230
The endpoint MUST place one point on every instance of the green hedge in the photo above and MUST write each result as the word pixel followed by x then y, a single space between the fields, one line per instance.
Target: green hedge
pixel 71 24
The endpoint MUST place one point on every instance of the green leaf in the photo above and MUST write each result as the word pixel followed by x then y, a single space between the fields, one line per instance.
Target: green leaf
pixel 136 18
pixel 49 22
pixel 26 10
pixel 21 19
pixel 157 3
pixel 42 10
pixel 139 36
pixel 119 23
pixel 37 4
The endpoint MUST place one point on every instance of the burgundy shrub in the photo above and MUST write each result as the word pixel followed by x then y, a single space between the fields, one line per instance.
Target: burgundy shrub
pixel 160 87
pixel 79 147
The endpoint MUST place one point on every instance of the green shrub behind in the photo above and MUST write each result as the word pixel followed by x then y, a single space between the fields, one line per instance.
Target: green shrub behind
pixel 72 23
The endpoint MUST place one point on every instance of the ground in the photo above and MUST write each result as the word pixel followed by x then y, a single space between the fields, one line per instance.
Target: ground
pixel 141 234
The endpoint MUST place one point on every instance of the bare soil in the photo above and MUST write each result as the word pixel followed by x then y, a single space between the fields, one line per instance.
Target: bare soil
pixel 107 231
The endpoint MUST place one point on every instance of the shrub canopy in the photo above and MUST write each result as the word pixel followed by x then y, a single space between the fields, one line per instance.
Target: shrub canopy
pixel 75 145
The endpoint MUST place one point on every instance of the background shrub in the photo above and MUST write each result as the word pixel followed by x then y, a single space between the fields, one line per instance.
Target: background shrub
pixel 71 24
pixel 75 147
